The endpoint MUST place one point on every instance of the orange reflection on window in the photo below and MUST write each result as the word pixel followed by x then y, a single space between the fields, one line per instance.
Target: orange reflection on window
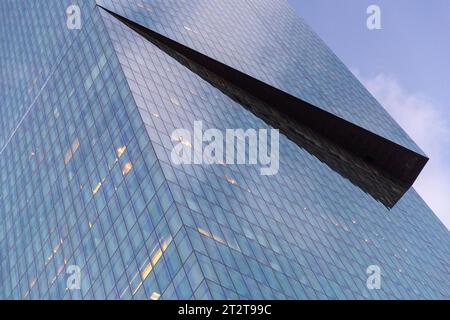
pixel 121 151
pixel 73 149
pixel 231 180
pixel 204 232
pixel 153 261
pixel 127 168
pixel 185 142
pixel 212 236
pixel 155 296
pixel 97 188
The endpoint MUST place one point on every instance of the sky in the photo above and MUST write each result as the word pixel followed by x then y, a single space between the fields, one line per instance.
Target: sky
pixel 406 66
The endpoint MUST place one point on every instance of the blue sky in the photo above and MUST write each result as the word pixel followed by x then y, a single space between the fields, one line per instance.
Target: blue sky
pixel 406 66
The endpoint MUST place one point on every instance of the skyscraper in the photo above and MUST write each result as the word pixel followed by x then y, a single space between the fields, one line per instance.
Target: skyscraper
pixel 92 205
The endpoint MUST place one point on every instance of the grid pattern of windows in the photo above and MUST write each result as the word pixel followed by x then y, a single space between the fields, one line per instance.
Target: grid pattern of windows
pixel 303 233
pixel 86 177
pixel 80 181
pixel 267 40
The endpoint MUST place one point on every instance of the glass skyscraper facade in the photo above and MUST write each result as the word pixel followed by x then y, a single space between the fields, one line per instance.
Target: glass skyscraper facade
pixel 87 180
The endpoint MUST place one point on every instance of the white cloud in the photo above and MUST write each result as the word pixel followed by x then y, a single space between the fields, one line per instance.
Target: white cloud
pixel 429 126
